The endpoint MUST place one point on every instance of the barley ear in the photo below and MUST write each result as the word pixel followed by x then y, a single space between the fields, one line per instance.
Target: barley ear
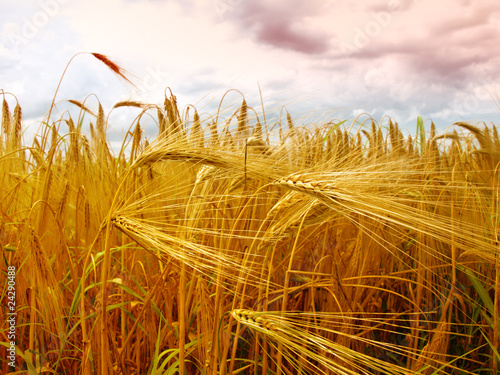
pixel 119 70
pixel 289 121
pixel 6 122
pixel 16 128
pixel 81 106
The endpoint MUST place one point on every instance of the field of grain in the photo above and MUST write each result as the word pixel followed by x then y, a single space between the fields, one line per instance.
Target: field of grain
pixel 218 248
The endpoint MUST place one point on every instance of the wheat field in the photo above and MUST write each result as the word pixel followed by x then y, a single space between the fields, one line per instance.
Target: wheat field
pixel 222 247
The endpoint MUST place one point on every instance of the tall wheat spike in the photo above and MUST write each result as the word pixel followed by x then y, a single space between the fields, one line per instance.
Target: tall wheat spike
pixel 5 124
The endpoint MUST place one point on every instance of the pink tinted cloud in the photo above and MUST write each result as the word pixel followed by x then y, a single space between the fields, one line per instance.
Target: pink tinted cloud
pixel 445 45
pixel 285 25
pixel 390 5
pixel 470 17
pixel 283 34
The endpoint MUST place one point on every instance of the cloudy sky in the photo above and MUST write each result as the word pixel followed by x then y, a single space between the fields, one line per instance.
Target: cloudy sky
pixel 321 59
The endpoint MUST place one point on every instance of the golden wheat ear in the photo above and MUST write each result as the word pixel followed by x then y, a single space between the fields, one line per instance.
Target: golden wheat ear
pixel 118 69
